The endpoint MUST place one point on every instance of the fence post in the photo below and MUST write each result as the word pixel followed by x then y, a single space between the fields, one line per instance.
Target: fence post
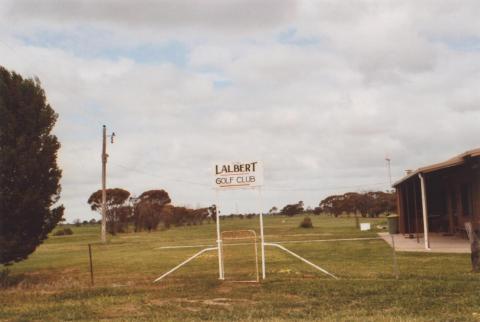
pixel 91 263
pixel 395 265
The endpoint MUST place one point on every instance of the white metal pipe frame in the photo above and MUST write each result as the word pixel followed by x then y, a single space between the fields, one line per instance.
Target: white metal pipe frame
pixel 302 259
pixel 185 262
pixel 240 175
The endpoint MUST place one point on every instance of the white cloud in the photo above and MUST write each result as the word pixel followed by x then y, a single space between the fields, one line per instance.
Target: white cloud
pixel 349 83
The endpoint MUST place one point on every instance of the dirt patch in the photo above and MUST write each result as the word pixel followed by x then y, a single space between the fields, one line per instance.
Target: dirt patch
pixel 224 289
pixel 126 309
pixel 228 286
pixel 220 302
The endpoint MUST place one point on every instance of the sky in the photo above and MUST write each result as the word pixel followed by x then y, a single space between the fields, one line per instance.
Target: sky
pixel 320 91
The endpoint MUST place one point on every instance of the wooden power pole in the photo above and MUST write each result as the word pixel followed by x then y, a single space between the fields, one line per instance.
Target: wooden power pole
pixel 104 185
pixel 104 182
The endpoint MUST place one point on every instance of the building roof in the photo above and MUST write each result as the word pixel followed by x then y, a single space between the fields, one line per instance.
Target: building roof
pixel 455 161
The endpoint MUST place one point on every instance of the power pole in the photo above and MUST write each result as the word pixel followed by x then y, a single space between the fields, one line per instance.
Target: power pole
pixel 104 185
pixel 104 182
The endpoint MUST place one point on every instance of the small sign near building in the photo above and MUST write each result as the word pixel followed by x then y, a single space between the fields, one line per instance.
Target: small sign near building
pixel 238 175
pixel 365 226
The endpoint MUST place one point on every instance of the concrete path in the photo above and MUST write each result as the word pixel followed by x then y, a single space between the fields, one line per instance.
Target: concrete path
pixel 438 243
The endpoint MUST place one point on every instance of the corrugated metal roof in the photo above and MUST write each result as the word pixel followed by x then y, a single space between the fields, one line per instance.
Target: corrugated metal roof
pixel 457 160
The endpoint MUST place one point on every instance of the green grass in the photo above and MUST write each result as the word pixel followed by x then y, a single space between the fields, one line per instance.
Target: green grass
pixel 54 283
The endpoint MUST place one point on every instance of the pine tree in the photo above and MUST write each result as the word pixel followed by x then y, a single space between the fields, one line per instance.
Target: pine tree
pixel 29 174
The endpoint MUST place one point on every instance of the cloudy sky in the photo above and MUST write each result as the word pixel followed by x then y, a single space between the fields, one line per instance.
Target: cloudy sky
pixel 321 91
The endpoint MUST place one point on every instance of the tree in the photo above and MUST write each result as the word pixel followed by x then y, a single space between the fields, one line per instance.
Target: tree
pixel 381 202
pixel 332 205
pixel 115 204
pixel 178 216
pixel 212 213
pixel 292 209
pixel 370 204
pixel 148 210
pixel 200 214
pixel 29 174
pixel 181 216
pixel 123 217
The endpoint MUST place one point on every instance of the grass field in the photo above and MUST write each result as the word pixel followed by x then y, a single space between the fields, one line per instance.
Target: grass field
pixel 54 283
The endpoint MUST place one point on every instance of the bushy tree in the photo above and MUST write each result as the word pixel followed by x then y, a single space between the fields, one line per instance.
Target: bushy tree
pixel 370 204
pixel 181 216
pixel 293 209
pixel 148 209
pixel 29 174
pixel 332 205
pixel 116 208
pixel 381 202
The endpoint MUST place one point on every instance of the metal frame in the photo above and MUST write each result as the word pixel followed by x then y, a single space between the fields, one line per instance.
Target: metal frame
pixel 219 248
pixel 302 259
pixel 253 236
pixel 185 262
pixel 221 272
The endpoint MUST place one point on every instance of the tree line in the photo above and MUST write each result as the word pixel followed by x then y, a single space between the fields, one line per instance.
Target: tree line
pixel 367 204
pixel 147 212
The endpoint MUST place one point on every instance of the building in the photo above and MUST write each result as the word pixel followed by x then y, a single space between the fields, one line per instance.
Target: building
pixel 440 197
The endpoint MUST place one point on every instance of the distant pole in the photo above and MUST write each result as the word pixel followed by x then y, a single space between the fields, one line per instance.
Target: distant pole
pixel 104 185
pixel 389 171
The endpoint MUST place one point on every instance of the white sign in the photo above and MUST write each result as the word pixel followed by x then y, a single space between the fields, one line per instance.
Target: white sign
pixel 238 175
pixel 365 226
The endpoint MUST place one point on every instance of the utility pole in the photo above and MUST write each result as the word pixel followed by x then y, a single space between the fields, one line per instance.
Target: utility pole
pixel 104 183
pixel 389 171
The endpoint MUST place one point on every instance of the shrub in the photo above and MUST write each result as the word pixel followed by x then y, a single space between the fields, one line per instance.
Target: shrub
pixel 306 223
pixel 63 232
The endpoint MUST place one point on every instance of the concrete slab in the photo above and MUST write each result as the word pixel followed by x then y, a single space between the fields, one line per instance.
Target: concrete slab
pixel 438 243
